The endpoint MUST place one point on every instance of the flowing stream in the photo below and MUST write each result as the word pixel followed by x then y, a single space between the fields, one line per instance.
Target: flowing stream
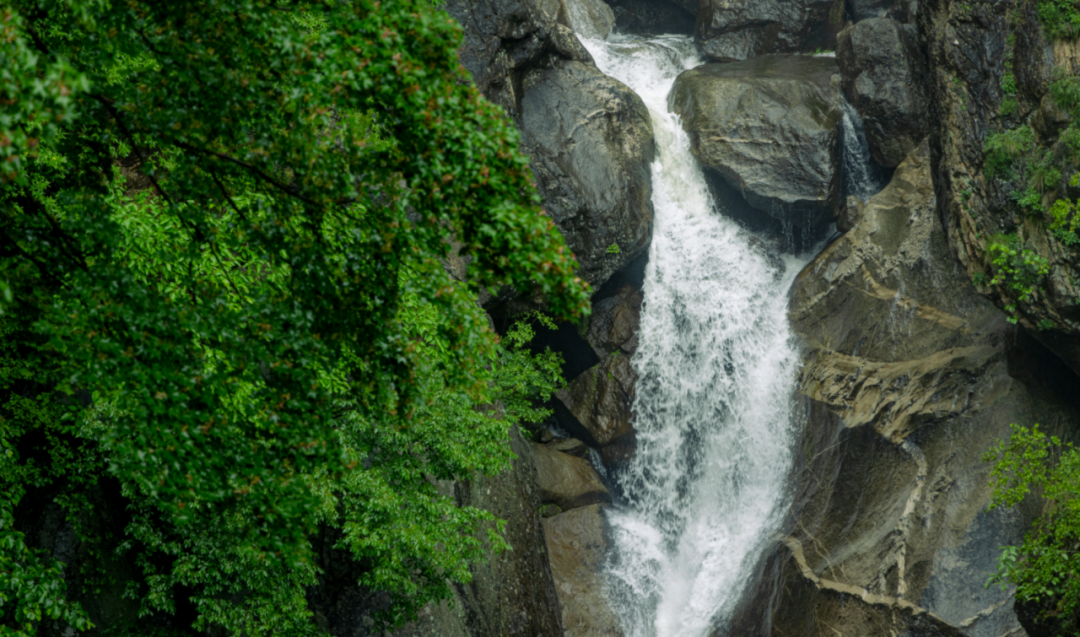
pixel 862 177
pixel 706 489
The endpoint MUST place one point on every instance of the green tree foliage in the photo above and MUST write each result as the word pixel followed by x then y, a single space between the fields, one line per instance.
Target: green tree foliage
pixel 1044 568
pixel 223 219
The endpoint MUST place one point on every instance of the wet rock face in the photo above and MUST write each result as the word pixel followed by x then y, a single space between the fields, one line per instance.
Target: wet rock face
pixel 884 77
pixel 769 128
pixel 588 18
pixel 866 9
pixel 567 481
pixel 742 29
pixel 577 548
pixel 901 10
pixel 588 136
pixel 601 399
pixel 909 377
pixel 615 320
pixel 591 144
pixel 504 39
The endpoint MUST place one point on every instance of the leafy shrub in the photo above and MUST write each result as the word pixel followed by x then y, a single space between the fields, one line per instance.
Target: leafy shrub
pixel 1018 269
pixel 1045 567
pixel 1066 93
pixel 1005 148
pixel 1065 221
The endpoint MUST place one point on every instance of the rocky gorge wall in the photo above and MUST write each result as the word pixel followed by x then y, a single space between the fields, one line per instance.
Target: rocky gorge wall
pixel 910 372
pixel 909 377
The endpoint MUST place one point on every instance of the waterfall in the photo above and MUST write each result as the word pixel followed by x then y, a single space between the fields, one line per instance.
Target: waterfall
pixel 706 488
pixel 859 175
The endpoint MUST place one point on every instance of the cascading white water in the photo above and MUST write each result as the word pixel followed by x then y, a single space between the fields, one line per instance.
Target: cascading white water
pixel 860 179
pixel 705 490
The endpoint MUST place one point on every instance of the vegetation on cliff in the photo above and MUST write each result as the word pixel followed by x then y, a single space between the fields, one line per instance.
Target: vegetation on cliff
pixel 221 225
pixel 1044 567
pixel 1031 158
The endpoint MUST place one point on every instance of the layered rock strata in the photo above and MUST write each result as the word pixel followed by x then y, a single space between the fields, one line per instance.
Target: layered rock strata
pixel 909 378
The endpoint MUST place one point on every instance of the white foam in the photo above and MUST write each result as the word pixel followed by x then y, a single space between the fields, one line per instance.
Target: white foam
pixel 706 487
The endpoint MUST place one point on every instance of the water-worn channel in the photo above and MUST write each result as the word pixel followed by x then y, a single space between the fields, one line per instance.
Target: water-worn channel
pixel 706 488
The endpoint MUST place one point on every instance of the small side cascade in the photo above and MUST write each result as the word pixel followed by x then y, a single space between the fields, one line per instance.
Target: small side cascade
pixel 862 177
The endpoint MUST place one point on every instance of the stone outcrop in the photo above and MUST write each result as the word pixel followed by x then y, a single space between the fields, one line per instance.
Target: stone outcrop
pixel 599 400
pixel 589 137
pixel 769 128
pixel 729 30
pixel 884 77
pixel 588 18
pixel 567 481
pixel 909 378
pixel 591 145
pixel 577 547
pixel 967 51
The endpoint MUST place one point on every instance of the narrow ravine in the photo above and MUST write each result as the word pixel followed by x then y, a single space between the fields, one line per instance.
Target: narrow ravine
pixel 705 490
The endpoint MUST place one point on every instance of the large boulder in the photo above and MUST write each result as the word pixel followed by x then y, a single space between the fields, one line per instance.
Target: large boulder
pixel 567 481
pixel 598 402
pixel 742 29
pixel 591 144
pixel 615 319
pixel 577 549
pixel 769 127
pixel 601 399
pixel 883 75
pixel 909 378
pixel 589 137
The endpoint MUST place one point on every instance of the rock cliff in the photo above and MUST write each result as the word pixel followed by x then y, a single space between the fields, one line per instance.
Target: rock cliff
pixel 909 377
pixel 991 70
pixel 911 370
